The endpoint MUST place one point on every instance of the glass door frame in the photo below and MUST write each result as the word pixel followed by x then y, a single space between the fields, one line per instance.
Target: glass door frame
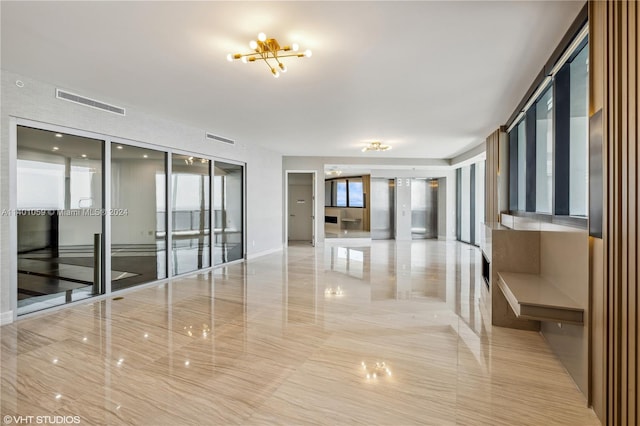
pixel 243 209
pixel 109 141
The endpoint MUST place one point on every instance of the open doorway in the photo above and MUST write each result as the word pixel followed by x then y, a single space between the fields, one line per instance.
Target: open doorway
pixel 301 207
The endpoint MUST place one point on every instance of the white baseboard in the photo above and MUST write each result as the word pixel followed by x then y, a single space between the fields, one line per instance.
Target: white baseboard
pixel 6 317
pixel 264 253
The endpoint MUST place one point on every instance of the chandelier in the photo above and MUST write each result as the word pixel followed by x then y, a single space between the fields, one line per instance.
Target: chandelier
pixel 270 51
pixel 376 146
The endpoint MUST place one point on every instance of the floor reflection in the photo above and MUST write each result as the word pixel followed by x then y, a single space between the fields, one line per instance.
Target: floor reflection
pixel 382 334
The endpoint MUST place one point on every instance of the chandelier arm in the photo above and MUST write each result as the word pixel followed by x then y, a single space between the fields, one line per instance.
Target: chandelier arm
pixel 264 58
pixel 299 55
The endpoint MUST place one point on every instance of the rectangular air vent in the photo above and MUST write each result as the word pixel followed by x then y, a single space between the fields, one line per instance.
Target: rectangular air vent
pixel 92 103
pixel 220 139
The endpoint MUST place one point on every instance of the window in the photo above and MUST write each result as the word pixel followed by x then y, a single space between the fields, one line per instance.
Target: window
pixel 522 166
pixel 466 205
pixel 544 152
pixel 344 193
pixel 578 134
pixel 548 141
pixel 470 202
pixel 356 196
pixel 341 193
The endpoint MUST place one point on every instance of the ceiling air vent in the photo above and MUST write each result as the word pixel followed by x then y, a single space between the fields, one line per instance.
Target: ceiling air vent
pixel 220 139
pixel 92 103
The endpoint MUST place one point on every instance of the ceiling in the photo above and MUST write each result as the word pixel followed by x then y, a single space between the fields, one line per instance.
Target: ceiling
pixel 432 79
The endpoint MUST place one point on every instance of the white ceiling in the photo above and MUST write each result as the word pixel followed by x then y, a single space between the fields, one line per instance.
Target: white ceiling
pixel 430 78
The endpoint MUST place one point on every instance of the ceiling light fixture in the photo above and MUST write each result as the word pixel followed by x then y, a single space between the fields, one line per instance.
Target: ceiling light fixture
pixel 333 172
pixel 376 146
pixel 268 49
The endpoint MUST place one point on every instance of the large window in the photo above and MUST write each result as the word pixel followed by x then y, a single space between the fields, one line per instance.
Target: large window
pixel 549 142
pixel 344 193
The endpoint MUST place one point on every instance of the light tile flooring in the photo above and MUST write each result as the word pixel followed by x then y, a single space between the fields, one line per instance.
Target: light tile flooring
pixel 294 338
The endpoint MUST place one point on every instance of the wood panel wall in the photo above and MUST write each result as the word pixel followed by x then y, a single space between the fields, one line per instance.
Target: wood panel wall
pixel 496 176
pixel 613 29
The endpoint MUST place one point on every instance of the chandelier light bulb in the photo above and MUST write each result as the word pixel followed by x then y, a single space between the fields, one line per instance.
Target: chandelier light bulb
pixel 244 59
pixel 253 44
pixel 230 57
pixel 283 67
pixel 307 53
pixel 295 47
pixel 262 37
pixel 275 72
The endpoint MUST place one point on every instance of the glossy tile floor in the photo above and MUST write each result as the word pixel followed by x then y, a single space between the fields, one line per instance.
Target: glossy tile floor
pixel 376 335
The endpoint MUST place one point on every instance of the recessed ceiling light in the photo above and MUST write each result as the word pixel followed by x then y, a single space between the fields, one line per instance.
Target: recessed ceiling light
pixel 58 135
pixel 145 156
pixel 84 155
pixel 55 148
pixel 119 146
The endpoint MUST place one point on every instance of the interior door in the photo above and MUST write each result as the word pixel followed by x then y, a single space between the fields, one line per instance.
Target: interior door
pixel 300 210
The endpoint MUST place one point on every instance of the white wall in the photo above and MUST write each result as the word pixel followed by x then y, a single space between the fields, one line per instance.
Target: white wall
pixel 36 101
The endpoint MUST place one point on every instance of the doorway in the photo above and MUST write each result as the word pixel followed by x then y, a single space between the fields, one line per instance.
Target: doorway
pixel 300 207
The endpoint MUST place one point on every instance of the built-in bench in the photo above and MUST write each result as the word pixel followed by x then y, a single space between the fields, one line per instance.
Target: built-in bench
pixel 531 296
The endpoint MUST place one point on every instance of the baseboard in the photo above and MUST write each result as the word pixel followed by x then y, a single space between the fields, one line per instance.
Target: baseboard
pixel 263 253
pixel 6 317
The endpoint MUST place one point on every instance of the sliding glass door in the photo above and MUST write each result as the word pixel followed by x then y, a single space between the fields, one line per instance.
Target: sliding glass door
pixel 190 204
pixel 228 212
pixel 138 220
pixel 59 218
pixel 63 207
